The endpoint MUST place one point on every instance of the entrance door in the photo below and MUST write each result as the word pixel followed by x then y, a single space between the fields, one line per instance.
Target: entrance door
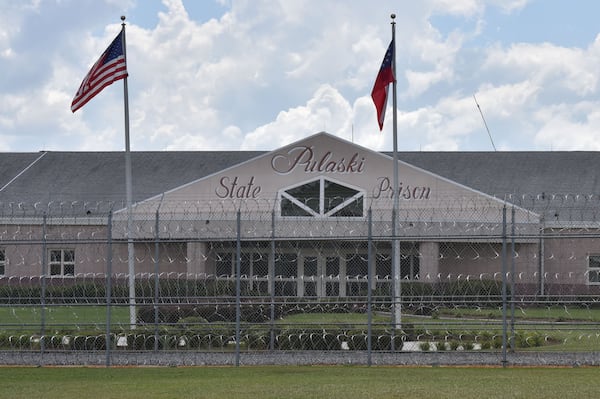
pixel 320 275
pixel 311 277
pixel 332 276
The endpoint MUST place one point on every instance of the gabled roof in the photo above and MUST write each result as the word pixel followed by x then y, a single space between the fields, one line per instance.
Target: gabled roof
pixel 83 182
pixel 560 186
pixel 77 182
pixel 504 172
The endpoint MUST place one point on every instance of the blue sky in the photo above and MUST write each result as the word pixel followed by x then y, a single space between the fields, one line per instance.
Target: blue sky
pixel 258 74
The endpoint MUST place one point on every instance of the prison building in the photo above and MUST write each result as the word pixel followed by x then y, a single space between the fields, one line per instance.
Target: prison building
pixel 306 216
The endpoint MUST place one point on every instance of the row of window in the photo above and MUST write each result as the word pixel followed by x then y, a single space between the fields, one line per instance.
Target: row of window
pixel 61 262
pixel 287 265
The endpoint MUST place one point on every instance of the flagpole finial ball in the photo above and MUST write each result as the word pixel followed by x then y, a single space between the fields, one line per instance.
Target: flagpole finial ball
pixel 393 16
pixel 123 18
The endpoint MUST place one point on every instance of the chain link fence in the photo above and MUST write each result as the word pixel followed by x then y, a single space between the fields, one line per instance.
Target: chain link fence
pixel 520 274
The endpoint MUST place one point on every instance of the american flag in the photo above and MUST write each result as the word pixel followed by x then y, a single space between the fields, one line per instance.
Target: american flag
pixel 108 69
pixel 380 89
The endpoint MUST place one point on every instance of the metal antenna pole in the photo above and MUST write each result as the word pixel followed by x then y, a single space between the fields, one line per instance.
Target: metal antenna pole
pixel 485 123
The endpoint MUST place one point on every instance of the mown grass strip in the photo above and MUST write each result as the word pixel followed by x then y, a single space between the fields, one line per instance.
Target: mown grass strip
pixel 297 382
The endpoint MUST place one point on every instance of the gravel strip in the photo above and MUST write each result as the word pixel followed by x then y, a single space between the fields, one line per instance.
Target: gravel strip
pixel 192 358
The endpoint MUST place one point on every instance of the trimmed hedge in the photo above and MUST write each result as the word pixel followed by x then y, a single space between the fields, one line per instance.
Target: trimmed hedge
pixel 223 338
pixel 94 291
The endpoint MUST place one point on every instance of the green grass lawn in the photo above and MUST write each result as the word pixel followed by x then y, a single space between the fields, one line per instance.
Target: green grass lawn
pixel 553 313
pixel 28 318
pixel 348 320
pixel 299 382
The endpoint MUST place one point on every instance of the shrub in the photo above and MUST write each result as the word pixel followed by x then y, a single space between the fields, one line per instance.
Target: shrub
pixel 358 341
pixel 529 340
pixel 408 329
pixel 282 341
pixel 381 342
pixel 331 342
pixel 497 342
pixel 256 341
pixel 4 340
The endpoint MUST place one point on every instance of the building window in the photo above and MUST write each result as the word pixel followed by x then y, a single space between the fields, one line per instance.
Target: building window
pixel 409 267
pixel 62 262
pixel 224 264
pixel 251 264
pixel 594 269
pixel 2 262
pixel 322 198
pixel 286 265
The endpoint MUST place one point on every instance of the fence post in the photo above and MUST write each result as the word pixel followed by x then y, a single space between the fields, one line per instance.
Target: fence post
pixel 271 280
pixel 396 293
pixel 156 285
pixel 541 256
pixel 369 288
pixel 512 281
pixel 108 287
pixel 43 290
pixel 504 341
pixel 238 267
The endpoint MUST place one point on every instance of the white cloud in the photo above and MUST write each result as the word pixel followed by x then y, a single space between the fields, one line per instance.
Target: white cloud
pixel 458 7
pixel 448 124
pixel 506 100
pixel 469 8
pixel 326 111
pixel 267 72
pixel 509 6
pixel 548 65
pixel 558 121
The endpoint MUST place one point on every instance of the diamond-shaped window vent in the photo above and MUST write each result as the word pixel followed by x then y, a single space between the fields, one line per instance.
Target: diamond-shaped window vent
pixel 322 198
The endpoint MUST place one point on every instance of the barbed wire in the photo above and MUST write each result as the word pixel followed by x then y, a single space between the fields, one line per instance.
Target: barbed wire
pixel 63 266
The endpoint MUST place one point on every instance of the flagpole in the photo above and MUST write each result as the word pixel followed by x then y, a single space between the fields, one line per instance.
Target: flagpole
pixel 129 195
pixel 397 305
